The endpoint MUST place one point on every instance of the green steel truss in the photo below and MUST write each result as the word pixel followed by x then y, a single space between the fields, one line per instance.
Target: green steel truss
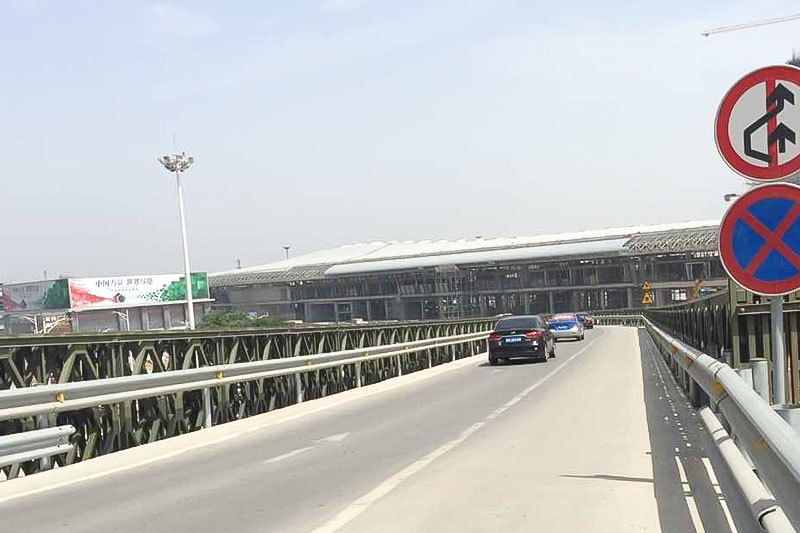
pixel 36 360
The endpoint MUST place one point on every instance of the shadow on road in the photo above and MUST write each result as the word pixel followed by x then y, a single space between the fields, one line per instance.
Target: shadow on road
pixel 690 495
pixel 514 362
pixel 611 478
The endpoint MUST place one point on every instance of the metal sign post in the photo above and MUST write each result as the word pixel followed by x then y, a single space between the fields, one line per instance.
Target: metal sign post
pixel 778 355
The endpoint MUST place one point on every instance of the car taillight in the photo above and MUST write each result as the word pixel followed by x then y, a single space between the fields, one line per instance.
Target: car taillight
pixel 533 335
pixel 495 337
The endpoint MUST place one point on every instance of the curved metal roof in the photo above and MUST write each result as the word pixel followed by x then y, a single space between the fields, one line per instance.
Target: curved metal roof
pixel 388 256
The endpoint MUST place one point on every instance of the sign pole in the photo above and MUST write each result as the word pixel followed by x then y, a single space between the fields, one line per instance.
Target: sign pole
pixel 778 354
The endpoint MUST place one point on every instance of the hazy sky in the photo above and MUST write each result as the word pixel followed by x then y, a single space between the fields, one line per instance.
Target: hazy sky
pixel 325 122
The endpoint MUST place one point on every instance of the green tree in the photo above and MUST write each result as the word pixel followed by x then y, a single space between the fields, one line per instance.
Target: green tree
pixel 239 320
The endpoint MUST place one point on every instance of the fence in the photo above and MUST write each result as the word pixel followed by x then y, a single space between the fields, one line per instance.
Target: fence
pixel 732 326
pixel 44 367
pixel 770 443
pixel 37 444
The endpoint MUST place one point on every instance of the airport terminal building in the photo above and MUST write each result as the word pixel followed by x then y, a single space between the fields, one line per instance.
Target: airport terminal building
pixel 590 270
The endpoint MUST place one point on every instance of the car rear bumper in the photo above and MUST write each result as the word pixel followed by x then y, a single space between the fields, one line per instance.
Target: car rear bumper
pixel 567 334
pixel 518 352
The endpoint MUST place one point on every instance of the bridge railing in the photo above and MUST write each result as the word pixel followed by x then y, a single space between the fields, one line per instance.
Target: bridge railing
pixel 618 320
pixel 733 326
pixel 36 444
pixel 124 390
pixel 765 437
pixel 770 442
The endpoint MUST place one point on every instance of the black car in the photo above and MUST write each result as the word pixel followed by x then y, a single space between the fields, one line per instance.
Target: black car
pixel 526 337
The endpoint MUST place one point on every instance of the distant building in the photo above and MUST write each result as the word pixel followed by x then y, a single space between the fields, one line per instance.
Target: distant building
pixel 119 303
pixel 602 269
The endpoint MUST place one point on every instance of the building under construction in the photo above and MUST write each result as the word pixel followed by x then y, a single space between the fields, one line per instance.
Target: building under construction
pixel 601 269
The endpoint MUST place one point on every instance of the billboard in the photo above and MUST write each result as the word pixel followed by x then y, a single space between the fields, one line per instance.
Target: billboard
pixel 129 291
pixel 36 296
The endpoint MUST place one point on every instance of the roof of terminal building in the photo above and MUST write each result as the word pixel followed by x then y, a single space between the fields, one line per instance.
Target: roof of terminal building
pixel 401 255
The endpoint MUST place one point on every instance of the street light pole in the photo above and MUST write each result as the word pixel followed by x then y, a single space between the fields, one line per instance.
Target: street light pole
pixel 286 249
pixel 189 299
pixel 179 163
pixel 125 317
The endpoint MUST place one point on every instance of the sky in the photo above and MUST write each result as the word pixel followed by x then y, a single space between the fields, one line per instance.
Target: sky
pixel 316 123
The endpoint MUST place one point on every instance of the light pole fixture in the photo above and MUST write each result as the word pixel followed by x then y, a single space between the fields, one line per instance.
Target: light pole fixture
pixel 286 249
pixel 33 320
pixel 179 163
pixel 125 317
pixel 730 196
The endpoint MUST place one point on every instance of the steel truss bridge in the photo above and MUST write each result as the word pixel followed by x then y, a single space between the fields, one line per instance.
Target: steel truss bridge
pixel 65 400
pixel 29 361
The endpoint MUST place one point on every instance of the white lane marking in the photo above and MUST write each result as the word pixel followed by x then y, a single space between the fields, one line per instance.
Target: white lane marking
pixel 360 505
pixel 712 475
pixel 691 504
pixel 694 513
pixel 365 392
pixel 288 455
pixel 339 437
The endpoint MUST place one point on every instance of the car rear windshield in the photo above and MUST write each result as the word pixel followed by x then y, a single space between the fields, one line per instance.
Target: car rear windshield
pixel 516 323
pixel 563 318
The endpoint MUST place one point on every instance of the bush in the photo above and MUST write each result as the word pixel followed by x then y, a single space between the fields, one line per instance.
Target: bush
pixel 239 320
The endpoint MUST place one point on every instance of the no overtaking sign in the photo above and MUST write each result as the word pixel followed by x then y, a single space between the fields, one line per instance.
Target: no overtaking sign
pixel 757 124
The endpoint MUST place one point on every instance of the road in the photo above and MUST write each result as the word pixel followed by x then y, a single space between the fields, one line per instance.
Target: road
pixel 597 439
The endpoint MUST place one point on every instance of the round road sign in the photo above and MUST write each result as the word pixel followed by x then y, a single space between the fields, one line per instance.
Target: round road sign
pixel 759 239
pixel 757 123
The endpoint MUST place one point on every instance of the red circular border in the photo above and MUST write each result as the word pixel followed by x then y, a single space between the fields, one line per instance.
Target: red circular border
pixel 737 164
pixel 732 215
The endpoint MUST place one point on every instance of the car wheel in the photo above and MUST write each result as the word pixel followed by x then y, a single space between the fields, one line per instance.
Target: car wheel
pixel 492 361
pixel 553 350
pixel 582 335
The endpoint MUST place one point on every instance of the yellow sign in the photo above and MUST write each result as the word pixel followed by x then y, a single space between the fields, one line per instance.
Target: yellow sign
pixel 647 298
pixel 646 286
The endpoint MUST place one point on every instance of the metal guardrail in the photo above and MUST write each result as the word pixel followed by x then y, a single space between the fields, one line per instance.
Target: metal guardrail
pixel 60 339
pixel 309 376
pixel 772 445
pixel 762 504
pixel 63 359
pixel 733 325
pixel 19 403
pixel 35 444
pixel 618 320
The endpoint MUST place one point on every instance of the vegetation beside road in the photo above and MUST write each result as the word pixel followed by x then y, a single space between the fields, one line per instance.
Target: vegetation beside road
pixel 239 320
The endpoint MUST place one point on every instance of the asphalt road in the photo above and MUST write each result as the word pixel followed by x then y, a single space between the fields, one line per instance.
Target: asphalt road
pixel 567 445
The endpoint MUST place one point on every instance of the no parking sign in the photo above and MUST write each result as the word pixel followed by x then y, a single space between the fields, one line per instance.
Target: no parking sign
pixel 759 240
